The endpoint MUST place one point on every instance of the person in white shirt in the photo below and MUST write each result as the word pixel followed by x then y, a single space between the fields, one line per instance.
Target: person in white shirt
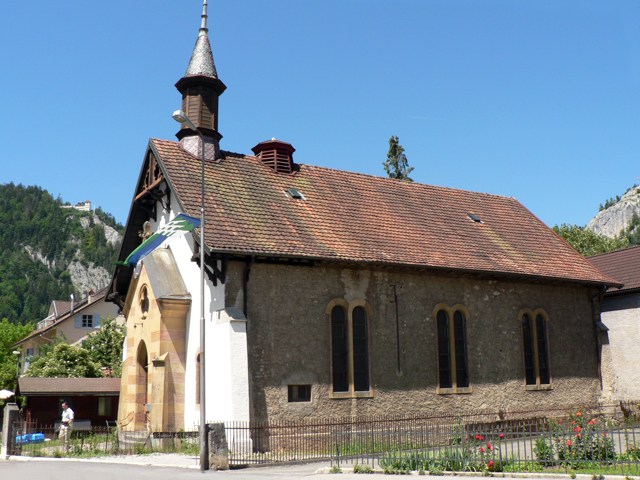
pixel 65 426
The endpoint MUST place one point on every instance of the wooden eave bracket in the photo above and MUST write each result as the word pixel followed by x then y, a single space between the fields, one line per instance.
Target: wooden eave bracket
pixel 211 267
pixel 150 196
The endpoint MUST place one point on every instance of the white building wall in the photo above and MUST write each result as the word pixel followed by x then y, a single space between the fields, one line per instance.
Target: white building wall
pixel 622 317
pixel 226 364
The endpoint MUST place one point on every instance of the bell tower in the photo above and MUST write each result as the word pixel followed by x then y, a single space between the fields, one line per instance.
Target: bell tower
pixel 201 88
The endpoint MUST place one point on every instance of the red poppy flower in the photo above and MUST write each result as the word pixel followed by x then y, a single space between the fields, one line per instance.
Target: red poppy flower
pixel 489 446
pixel 502 435
pixel 490 464
pixel 568 443
pixel 481 449
pixel 577 429
pixel 578 414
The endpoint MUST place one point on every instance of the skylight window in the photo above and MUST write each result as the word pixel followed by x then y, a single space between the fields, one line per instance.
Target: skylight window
pixel 475 218
pixel 293 193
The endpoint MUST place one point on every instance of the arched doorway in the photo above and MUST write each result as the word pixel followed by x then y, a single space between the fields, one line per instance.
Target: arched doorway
pixel 142 386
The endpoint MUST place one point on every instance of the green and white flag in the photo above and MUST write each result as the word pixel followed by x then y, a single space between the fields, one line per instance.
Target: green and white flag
pixel 174 229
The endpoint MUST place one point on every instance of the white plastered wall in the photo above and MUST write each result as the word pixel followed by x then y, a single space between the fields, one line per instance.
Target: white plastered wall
pixel 226 364
pixel 624 338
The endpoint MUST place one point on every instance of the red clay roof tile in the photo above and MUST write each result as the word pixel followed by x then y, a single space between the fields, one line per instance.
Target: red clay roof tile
pixel 360 218
pixel 623 265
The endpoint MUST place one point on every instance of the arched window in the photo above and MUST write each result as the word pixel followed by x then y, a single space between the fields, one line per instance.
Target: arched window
pixel 339 349
pixel 144 302
pixel 453 369
pixel 349 348
pixel 536 348
pixel 360 350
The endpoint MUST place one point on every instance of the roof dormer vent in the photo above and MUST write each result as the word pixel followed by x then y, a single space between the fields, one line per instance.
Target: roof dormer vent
pixel 276 154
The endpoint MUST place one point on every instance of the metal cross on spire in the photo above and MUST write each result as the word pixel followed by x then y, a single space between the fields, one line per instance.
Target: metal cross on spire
pixel 203 25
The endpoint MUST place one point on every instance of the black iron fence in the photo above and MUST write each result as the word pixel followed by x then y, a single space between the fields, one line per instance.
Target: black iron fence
pixel 31 439
pixel 603 437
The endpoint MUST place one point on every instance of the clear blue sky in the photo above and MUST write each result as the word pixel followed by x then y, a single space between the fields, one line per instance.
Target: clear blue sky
pixel 539 100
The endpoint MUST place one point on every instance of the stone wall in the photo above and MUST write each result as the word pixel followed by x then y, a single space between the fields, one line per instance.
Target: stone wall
pixel 289 340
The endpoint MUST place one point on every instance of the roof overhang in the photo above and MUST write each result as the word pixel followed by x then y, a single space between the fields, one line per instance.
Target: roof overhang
pixel 30 386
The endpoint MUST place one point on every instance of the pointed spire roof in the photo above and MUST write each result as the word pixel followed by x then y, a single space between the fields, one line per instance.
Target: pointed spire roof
pixel 201 62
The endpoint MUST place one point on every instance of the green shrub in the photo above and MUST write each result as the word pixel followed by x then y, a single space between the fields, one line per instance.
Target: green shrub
pixel 362 469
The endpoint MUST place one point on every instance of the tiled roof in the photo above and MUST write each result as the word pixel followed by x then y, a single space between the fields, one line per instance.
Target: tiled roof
pixel 360 218
pixel 78 308
pixel 66 386
pixel 623 265
pixel 59 307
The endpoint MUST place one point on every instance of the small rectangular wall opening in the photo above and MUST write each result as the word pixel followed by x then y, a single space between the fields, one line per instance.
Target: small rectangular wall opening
pixel 299 393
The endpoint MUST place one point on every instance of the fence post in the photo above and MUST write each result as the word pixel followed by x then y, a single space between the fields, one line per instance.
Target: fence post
pixel 8 435
pixel 218 447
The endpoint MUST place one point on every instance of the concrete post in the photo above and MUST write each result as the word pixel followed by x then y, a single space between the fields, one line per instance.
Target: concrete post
pixel 218 449
pixel 9 419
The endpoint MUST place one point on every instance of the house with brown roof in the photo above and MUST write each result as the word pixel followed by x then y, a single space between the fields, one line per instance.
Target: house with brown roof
pixel 621 317
pixel 93 400
pixel 330 293
pixel 69 321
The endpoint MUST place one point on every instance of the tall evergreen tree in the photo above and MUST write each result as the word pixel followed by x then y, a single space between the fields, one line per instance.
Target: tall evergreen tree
pixel 397 165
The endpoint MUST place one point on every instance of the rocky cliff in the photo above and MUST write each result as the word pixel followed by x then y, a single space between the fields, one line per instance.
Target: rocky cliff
pixel 617 218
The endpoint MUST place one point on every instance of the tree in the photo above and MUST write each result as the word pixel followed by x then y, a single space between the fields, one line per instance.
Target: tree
pixel 64 361
pixel 587 242
pixel 10 333
pixel 397 165
pixel 105 347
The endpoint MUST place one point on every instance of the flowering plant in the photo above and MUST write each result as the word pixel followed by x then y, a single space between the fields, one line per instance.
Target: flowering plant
pixel 577 439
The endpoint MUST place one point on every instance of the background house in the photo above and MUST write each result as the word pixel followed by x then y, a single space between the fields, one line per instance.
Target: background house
pixel 93 400
pixel 621 315
pixel 71 321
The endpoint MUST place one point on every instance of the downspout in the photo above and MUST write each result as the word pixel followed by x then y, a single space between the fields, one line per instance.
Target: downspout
pixel 245 286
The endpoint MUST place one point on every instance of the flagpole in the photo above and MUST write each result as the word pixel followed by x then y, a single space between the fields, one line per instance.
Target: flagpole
pixel 180 117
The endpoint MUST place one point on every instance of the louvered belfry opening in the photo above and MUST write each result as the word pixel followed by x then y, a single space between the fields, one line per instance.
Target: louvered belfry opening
pixel 200 103
pixel 276 154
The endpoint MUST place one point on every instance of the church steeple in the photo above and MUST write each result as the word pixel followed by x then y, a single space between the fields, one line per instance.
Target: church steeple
pixel 200 88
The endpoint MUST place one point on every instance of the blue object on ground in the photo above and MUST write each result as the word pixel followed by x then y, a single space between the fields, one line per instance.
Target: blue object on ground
pixel 30 438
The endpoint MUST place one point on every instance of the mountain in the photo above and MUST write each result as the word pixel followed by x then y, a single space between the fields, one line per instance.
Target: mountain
pixel 50 252
pixel 619 217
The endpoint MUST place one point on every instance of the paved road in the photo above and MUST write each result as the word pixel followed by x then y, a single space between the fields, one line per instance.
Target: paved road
pixel 168 467
pixel 82 470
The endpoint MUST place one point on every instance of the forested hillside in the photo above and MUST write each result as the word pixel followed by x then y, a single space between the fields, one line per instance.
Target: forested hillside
pixel 49 252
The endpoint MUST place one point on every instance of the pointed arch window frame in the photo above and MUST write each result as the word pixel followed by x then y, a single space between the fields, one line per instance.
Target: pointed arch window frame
pixel 534 347
pixel 353 349
pixel 454 343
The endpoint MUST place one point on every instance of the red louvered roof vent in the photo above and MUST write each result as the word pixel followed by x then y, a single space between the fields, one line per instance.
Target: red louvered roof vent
pixel 276 154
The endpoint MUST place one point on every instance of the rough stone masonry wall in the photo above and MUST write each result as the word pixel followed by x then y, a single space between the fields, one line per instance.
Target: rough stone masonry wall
pixel 289 340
